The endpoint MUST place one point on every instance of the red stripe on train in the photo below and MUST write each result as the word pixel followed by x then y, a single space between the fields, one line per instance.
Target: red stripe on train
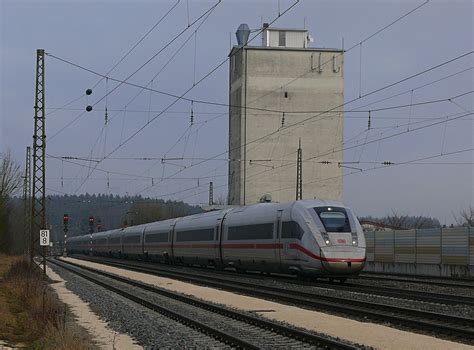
pixel 271 246
pixel 314 256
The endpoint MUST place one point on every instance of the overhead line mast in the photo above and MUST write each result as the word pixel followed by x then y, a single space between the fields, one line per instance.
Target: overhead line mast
pixel 38 202
pixel 299 173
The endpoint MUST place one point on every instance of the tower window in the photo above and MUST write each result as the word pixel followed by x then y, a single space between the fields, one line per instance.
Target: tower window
pixel 286 94
pixel 281 38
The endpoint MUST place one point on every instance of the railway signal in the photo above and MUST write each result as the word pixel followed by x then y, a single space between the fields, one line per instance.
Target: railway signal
pixel 65 228
pixel 91 224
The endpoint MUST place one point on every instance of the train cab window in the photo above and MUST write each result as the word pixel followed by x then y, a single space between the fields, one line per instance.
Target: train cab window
pixel 291 229
pixel 334 219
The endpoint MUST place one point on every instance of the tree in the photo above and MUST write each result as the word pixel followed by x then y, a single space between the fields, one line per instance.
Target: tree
pixel 10 185
pixel 466 217
pixel 10 176
pixel 221 200
pixel 395 221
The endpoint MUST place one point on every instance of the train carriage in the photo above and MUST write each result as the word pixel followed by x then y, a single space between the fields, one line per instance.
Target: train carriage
pixel 250 237
pixel 99 243
pixel 132 239
pixel 114 243
pixel 196 238
pixel 79 244
pixel 158 240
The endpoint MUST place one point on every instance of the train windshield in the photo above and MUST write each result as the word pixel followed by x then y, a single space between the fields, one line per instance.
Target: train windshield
pixel 334 219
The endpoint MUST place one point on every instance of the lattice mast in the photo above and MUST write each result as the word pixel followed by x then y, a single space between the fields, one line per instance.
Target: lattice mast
pixel 299 173
pixel 38 202
pixel 211 193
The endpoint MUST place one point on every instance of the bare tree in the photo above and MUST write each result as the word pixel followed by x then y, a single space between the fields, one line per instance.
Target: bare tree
pixel 10 185
pixel 221 200
pixel 466 217
pixel 399 222
pixel 10 176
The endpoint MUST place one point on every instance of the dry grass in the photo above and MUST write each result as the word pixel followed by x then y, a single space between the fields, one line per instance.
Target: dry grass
pixel 30 313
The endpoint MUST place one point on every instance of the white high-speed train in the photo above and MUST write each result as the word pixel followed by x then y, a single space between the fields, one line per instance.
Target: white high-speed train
pixel 307 237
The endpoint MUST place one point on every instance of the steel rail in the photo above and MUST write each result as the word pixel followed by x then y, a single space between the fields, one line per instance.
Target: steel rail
pixel 436 323
pixel 443 282
pixel 265 325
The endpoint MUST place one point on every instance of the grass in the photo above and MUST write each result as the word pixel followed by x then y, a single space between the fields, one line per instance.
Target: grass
pixel 30 313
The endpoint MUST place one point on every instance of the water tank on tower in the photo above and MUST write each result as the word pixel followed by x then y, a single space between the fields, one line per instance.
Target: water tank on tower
pixel 242 34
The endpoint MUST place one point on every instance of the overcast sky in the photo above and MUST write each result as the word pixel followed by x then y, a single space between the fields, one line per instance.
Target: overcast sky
pixel 96 34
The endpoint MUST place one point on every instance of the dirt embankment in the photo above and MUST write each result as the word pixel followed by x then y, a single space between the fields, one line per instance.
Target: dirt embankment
pixel 30 314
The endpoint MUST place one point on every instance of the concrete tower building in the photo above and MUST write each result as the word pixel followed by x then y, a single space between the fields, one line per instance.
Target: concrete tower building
pixel 274 90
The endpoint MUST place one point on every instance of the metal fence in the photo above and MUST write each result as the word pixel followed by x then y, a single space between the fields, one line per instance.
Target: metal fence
pixel 450 246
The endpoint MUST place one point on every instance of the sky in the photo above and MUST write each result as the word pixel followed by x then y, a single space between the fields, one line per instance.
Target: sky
pixel 141 124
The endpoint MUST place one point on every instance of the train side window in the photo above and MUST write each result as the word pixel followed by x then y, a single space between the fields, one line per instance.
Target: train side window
pixel 131 239
pixel 260 231
pixel 115 240
pixel 156 237
pixel 195 235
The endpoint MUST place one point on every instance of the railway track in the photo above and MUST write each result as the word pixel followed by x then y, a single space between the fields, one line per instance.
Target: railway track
pixel 434 281
pixel 438 324
pixel 439 298
pixel 234 328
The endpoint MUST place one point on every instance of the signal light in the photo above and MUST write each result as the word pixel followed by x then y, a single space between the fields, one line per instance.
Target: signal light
pixel 91 220
pixel 65 219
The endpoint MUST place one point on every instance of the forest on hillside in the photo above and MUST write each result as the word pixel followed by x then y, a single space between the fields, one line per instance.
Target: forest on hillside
pixel 109 212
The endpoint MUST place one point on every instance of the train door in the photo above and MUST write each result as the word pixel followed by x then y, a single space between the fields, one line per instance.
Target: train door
pixel 217 240
pixel 142 243
pixel 278 240
pixel 171 241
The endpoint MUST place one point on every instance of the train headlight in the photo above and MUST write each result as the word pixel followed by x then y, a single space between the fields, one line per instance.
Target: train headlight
pixel 327 241
pixel 354 238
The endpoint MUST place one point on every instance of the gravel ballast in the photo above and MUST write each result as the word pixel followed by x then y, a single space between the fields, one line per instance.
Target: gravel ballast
pixel 148 328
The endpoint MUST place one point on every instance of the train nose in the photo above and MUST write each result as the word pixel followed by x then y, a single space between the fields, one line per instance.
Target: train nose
pixel 342 260
pixel 343 267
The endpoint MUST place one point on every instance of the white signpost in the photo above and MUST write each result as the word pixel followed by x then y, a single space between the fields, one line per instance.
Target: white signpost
pixel 44 237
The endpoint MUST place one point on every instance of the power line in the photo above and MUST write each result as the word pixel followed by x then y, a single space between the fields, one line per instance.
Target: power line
pixel 332 109
pixel 191 88
pixel 122 58
pixel 413 89
pixel 367 142
pixel 415 161
pixel 423 4
pixel 240 48
pixel 131 75
pixel 144 64
pixel 292 162
pixel 204 19
pixel 279 112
